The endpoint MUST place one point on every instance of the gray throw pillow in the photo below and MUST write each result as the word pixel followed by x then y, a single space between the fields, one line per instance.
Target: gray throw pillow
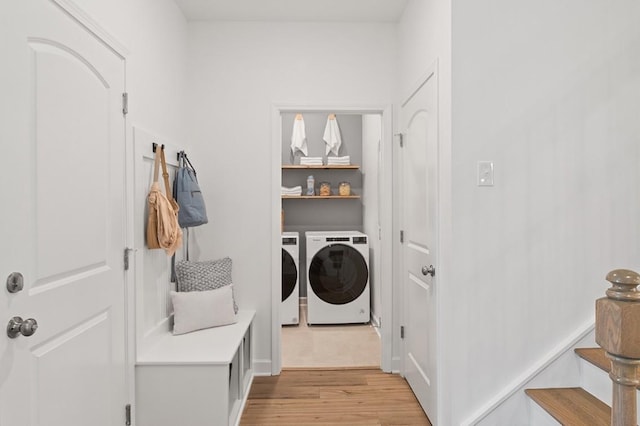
pixel 205 275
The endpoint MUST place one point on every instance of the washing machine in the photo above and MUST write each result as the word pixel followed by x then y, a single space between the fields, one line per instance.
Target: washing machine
pixel 290 307
pixel 337 277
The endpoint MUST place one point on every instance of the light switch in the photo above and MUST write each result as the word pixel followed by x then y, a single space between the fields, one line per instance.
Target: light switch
pixel 485 173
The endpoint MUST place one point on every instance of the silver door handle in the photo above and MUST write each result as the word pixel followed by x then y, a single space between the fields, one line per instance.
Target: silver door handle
pixel 17 326
pixel 429 270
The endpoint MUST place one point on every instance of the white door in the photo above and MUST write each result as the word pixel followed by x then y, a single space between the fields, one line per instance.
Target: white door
pixel 62 220
pixel 419 115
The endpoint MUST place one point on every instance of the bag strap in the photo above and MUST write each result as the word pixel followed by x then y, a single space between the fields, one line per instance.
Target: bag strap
pixel 165 176
pixel 156 164
pixel 180 159
pixel 184 156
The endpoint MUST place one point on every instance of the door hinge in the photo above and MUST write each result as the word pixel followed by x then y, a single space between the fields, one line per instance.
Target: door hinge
pixel 127 415
pixel 125 103
pixel 126 258
pixel 402 331
pixel 402 236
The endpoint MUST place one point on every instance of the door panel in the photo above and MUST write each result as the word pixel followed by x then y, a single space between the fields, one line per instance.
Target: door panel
pixel 65 230
pixel 419 171
pixel 57 358
pixel 65 85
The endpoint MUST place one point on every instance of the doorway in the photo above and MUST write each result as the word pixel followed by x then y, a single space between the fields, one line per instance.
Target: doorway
pixel 323 343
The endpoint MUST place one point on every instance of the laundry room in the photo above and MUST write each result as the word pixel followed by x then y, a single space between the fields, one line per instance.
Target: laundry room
pixel 330 224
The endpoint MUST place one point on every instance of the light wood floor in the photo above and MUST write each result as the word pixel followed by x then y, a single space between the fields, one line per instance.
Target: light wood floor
pixel 332 397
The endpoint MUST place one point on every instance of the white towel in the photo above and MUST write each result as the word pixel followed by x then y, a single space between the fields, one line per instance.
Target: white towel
pixel 296 190
pixel 346 160
pixel 299 136
pixel 332 135
pixel 311 161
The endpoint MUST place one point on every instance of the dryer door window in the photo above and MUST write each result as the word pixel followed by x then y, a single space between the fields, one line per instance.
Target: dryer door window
pixel 289 275
pixel 338 274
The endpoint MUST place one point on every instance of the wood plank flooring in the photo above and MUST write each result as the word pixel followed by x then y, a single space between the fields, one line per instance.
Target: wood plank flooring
pixel 361 396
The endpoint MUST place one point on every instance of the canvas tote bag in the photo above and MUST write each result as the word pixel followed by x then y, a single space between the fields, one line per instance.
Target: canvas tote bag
pixel 186 192
pixel 163 230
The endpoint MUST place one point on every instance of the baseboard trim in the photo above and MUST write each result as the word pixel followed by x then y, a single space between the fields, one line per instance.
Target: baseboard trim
pixel 395 365
pixel 375 321
pixel 262 367
pixel 522 380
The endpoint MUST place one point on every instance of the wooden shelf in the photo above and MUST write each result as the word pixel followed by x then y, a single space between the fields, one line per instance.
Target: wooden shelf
pixel 326 167
pixel 320 197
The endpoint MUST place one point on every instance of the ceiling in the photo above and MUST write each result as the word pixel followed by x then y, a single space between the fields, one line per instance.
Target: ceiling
pixel 293 10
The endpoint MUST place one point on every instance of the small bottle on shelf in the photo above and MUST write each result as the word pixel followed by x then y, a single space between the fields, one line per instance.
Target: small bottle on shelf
pixel 310 185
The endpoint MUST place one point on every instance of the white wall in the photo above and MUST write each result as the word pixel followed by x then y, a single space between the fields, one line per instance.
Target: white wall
pixel 237 73
pixel 154 35
pixel 548 91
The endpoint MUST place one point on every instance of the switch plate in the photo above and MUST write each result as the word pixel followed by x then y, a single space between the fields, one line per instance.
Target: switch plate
pixel 485 173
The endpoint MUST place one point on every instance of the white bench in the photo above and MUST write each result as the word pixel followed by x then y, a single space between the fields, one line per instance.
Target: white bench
pixel 196 379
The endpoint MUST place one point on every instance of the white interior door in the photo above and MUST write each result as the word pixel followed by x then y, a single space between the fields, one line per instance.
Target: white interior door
pixel 419 117
pixel 62 221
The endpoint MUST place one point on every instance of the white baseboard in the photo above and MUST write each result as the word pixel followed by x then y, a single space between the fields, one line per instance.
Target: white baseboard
pixel 375 321
pixel 262 367
pixel 395 365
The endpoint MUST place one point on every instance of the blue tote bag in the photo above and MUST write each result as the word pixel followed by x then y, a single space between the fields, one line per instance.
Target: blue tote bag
pixel 193 211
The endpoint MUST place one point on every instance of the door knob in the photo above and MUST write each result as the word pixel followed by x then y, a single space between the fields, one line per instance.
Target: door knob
pixel 15 282
pixel 18 326
pixel 429 270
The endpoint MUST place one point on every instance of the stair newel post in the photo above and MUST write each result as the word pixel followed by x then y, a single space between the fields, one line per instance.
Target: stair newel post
pixel 618 333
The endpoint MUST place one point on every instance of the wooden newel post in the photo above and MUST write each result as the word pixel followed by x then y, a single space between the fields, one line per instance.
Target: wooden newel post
pixel 618 333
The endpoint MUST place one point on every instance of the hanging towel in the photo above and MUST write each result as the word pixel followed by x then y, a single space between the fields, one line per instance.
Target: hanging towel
pixel 332 135
pixel 299 136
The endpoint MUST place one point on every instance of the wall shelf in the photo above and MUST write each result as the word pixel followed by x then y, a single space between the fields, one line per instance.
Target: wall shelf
pixel 320 197
pixel 326 167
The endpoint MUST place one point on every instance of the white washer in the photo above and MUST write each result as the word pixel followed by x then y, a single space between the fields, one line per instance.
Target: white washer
pixel 337 277
pixel 290 307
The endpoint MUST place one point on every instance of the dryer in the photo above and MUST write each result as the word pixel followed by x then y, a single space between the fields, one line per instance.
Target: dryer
pixel 290 307
pixel 337 277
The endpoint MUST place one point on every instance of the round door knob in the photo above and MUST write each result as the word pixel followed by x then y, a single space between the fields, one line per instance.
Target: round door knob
pixel 15 282
pixel 19 326
pixel 429 270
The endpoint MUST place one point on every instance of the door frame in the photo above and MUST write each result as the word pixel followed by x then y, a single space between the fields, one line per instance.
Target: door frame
pixel 399 256
pixel 386 223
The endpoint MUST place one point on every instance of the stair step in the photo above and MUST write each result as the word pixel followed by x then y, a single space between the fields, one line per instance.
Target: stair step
pixel 595 356
pixel 572 406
